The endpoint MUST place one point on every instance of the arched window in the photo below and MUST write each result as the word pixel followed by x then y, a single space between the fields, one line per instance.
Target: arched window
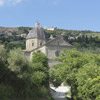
pixel 57 53
pixel 40 44
pixel 32 44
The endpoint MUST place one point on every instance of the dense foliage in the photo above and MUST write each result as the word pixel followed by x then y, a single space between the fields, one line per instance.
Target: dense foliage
pixel 40 67
pixel 84 41
pixel 81 71
pixel 69 32
pixel 23 80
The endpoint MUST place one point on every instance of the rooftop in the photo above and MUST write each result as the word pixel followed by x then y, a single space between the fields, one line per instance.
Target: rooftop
pixel 37 32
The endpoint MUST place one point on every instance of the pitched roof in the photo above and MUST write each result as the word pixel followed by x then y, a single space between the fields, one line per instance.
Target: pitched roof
pixel 30 50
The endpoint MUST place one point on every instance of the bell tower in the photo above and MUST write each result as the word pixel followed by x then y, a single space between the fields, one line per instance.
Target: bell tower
pixel 36 37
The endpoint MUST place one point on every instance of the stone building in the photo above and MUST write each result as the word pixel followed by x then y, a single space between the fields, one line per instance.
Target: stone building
pixel 37 39
pixel 51 28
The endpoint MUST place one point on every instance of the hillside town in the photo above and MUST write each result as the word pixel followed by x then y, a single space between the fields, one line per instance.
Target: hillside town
pixel 47 59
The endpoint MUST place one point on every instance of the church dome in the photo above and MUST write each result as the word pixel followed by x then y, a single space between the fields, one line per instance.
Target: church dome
pixel 37 32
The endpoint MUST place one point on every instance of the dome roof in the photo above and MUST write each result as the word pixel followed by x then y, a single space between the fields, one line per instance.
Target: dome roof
pixel 37 32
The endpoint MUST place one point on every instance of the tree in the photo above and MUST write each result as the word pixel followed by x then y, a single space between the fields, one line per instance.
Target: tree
pixel 88 79
pixel 78 69
pixel 17 62
pixel 3 64
pixel 21 80
pixel 39 65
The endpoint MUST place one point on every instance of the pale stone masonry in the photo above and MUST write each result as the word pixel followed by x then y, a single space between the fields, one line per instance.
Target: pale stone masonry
pixel 37 39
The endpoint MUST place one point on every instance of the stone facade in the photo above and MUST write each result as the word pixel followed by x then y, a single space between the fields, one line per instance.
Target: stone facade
pixel 50 48
pixel 34 43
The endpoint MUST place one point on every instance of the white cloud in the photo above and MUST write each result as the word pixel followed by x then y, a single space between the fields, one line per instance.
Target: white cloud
pixel 1 2
pixel 13 2
pixel 9 2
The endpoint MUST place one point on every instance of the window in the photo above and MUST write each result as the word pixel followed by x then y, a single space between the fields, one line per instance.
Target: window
pixel 32 44
pixel 40 44
pixel 57 53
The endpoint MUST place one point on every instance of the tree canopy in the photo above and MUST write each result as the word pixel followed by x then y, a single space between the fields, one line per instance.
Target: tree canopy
pixel 23 80
pixel 81 70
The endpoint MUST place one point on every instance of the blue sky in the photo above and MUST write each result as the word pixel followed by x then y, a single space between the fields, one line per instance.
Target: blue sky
pixel 64 14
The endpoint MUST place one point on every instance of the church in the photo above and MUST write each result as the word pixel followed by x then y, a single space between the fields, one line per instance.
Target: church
pixel 37 39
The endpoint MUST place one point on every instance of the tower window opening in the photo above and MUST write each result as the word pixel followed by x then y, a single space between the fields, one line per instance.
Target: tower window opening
pixel 40 44
pixel 32 44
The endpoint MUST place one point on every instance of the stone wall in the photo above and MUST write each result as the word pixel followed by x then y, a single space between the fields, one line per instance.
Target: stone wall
pixel 29 43
pixel 51 53
pixel 27 55
pixel 42 49
pixel 34 43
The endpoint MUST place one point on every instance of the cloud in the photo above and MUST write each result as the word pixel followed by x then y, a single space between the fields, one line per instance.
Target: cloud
pixel 13 2
pixel 9 2
pixel 1 2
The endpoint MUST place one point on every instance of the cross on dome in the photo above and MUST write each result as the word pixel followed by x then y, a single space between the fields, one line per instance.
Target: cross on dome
pixel 37 24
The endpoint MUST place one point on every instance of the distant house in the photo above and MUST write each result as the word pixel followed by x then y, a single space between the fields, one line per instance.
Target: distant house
pixel 50 28
pixel 24 35
pixel 71 38
pixel 9 34
pixel 18 35
pixel 37 39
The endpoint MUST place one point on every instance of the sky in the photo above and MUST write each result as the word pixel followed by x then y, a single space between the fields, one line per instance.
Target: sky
pixel 63 14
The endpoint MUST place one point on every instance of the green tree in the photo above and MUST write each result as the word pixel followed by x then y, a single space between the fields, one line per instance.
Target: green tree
pixel 17 62
pixel 76 68
pixel 39 65
pixel 20 80
pixel 3 63
pixel 88 80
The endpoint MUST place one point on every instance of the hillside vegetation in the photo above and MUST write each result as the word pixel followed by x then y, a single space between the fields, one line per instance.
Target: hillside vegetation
pixel 82 40
pixel 23 80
